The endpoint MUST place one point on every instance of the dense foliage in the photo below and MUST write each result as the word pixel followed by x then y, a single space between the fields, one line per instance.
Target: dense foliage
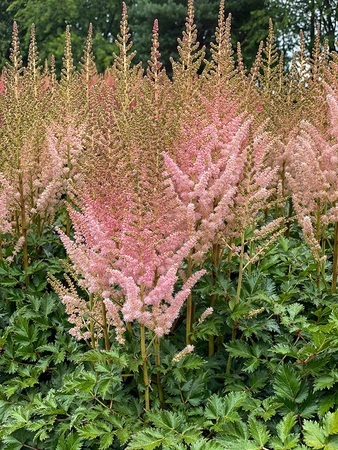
pixel 169 248
pixel 249 25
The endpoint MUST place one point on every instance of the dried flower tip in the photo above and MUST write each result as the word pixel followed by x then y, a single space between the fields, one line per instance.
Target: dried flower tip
pixel 206 313
pixel 255 312
pixel 18 246
pixel 188 349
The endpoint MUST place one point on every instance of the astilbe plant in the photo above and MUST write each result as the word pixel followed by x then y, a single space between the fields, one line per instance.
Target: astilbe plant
pixel 163 178
pixel 142 258
pixel 283 98
pixel 255 192
pixel 41 140
pixel 312 178
pixel 133 231
pixel 23 157
pixel 207 166
pixel 313 155
pixel 205 171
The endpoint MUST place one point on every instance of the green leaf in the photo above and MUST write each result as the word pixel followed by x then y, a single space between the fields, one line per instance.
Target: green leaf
pixel 285 426
pixel 166 420
pixel 331 422
pixel 71 442
pixel 235 430
pixel 12 443
pixel 106 440
pixel 259 431
pixel 326 403
pixel 215 408
pixel 290 443
pixel 239 348
pixel 233 401
pixel 90 431
pixel 326 381
pixel 314 435
pixel 257 380
pixel 225 408
pixel 203 444
pixel 146 440
pixel 287 383
pixel 332 443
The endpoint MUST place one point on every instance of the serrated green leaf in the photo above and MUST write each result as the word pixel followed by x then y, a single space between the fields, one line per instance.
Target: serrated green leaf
pixel 259 431
pixel 38 424
pixel 257 380
pixel 236 430
pixel 330 422
pixel 233 401
pixel 251 365
pixel 203 444
pixel 70 442
pixel 325 381
pixel 246 444
pixel 146 440
pixel 123 435
pixel 90 431
pixel 225 408
pixel 332 443
pixel 326 403
pixel 106 440
pixel 11 443
pixel 215 408
pixel 290 443
pixel 239 349
pixel 285 426
pixel 285 349
pixel 314 435
pixel 287 383
pixel 167 420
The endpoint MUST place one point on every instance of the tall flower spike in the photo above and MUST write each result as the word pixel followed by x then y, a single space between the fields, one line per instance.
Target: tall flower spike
pixel 53 80
pixel 88 68
pixel 222 52
pixel 154 65
pixel 269 63
pixel 315 56
pixel 303 60
pixel 14 70
pixel 123 72
pixel 33 68
pixel 67 99
pixel 191 57
pixel 124 58
pixel 68 66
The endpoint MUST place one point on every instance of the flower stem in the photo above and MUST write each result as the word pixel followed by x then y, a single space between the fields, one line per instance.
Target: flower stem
pixel 105 325
pixel 190 307
pixel 240 274
pixel 335 260
pixel 92 332
pixel 145 368
pixel 157 345
pixel 318 237
pixel 23 227
pixel 215 255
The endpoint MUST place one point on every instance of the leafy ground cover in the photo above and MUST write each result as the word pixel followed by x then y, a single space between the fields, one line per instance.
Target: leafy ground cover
pixel 169 250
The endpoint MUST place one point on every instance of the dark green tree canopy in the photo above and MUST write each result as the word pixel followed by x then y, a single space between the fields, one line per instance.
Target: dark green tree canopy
pixel 51 18
pixel 249 25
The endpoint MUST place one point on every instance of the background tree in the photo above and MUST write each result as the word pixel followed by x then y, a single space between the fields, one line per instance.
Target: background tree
pixel 171 16
pixel 6 27
pixel 51 18
pixel 250 20
pixel 291 16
